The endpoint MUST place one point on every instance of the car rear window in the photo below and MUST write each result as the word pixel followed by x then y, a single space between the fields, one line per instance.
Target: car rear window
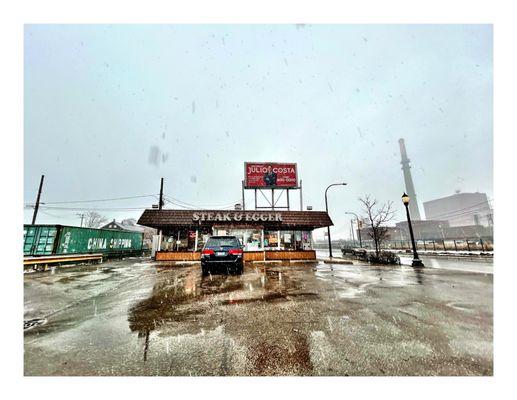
pixel 222 242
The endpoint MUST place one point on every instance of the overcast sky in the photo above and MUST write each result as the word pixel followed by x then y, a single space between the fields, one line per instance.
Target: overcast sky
pixel 111 109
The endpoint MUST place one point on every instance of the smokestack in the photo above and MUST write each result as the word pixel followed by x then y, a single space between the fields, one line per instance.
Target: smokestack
pixel 410 188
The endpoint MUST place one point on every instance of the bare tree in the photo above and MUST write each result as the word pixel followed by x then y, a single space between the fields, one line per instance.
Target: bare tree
pixel 377 216
pixel 128 222
pixel 93 219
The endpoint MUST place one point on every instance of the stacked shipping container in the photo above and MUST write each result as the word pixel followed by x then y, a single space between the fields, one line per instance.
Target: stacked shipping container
pixel 39 240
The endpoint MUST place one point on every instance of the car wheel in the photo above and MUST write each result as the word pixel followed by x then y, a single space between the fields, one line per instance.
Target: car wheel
pixel 204 271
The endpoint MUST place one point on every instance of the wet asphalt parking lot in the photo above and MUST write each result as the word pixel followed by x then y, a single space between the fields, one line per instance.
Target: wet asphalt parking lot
pixel 137 317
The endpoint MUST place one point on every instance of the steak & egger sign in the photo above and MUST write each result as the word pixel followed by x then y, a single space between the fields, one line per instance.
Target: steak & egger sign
pixel 238 216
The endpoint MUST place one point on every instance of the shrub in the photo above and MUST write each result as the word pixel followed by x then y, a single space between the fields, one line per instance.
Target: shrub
pixel 385 257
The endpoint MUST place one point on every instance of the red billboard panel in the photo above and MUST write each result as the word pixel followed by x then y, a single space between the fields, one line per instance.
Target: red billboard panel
pixel 270 175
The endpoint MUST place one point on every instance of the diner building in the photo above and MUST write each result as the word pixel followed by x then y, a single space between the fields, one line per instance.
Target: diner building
pixel 265 235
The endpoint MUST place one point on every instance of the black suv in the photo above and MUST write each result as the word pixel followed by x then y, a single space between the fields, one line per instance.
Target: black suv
pixel 222 252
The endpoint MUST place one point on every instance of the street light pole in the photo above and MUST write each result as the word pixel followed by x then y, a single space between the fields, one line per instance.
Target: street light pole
pixel 358 227
pixel 416 260
pixel 352 231
pixel 327 208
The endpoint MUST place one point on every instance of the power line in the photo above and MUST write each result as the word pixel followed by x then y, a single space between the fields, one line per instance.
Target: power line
pixel 52 215
pixel 191 206
pixel 98 200
pixel 198 205
pixel 178 205
pixel 461 211
pixel 171 200
pixel 463 214
pixel 94 209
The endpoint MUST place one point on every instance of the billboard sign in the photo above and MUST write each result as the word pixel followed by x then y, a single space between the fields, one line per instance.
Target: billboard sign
pixel 270 175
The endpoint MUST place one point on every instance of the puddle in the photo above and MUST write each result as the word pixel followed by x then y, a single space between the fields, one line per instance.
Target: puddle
pixel 267 297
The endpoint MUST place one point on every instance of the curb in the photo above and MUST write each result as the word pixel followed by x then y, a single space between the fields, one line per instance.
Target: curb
pixel 335 261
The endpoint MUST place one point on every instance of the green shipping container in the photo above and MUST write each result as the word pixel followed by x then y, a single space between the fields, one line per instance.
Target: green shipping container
pixel 59 239
pixel 39 240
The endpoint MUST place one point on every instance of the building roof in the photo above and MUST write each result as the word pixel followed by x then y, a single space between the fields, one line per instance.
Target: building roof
pixel 119 226
pixel 296 220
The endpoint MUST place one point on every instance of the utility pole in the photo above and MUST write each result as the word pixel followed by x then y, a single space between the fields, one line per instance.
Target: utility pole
pixel 161 195
pixel 36 207
pixel 82 218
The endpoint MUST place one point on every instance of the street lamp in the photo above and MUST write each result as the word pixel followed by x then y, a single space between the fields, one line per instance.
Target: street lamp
pixel 416 260
pixel 327 208
pixel 358 228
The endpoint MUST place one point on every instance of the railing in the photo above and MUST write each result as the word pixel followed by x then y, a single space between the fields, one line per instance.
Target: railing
pixel 466 245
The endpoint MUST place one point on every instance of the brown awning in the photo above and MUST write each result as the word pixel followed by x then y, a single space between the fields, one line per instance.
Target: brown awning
pixel 273 220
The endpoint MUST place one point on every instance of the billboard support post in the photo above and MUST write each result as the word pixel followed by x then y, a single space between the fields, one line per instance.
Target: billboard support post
pixel 301 198
pixel 272 201
pixel 243 205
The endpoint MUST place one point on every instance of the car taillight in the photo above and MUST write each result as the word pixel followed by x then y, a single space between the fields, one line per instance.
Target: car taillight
pixel 235 251
pixel 207 252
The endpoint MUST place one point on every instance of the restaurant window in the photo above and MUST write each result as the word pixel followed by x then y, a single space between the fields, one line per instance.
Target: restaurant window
pixel 180 240
pixel 271 240
pixel 289 240
pixel 306 240
pixel 249 238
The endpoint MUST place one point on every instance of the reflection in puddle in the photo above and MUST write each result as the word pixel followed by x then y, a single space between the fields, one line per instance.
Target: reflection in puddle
pixel 351 281
pixel 267 297
pixel 467 264
pixel 187 296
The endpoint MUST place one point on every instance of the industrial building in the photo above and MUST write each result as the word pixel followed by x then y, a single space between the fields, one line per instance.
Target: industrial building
pixel 461 209
pixel 456 217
